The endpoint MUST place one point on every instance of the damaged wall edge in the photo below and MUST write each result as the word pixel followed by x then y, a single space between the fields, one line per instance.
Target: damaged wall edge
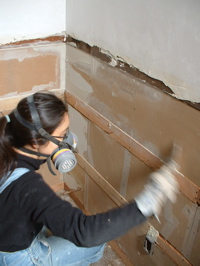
pixel 124 66
pixel 97 52
pixel 49 39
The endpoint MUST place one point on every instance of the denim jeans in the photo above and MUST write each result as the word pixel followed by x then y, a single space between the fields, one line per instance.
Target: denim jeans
pixel 52 251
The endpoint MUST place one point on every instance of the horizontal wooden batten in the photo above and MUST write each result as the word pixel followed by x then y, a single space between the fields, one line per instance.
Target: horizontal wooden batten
pixel 113 194
pixel 189 189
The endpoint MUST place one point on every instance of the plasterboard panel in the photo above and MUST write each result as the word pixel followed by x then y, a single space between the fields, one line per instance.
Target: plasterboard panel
pixel 175 219
pixel 31 68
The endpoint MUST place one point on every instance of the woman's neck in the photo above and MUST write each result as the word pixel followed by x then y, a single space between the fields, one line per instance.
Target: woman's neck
pixel 34 156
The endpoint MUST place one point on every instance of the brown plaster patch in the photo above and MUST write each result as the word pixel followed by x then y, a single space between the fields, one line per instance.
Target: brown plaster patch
pixel 23 75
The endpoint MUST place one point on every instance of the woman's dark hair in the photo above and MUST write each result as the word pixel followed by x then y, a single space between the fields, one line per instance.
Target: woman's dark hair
pixel 13 134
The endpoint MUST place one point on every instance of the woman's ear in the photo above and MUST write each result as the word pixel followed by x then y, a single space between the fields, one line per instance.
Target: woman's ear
pixel 34 144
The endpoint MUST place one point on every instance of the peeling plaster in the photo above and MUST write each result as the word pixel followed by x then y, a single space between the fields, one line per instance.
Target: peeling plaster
pixel 160 38
pixel 121 64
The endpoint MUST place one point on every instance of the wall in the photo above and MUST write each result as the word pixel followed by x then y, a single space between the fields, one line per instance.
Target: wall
pixel 126 129
pixel 160 38
pixel 125 126
pixel 127 121
pixel 32 52
pixel 26 19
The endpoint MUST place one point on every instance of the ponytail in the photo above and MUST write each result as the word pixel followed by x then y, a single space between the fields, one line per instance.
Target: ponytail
pixel 7 153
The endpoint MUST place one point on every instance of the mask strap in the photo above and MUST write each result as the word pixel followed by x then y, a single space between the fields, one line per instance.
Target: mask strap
pixel 37 122
pixel 49 165
pixel 33 152
pixel 42 154
pixel 33 112
pixel 37 126
pixel 23 121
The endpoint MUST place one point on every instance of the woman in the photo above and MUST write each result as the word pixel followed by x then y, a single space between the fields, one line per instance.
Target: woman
pixel 36 131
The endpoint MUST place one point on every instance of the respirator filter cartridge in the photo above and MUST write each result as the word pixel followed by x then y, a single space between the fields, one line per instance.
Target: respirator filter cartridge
pixel 64 160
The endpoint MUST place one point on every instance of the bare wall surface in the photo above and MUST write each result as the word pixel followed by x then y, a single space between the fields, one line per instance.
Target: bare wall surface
pixel 155 120
pixel 146 114
pixel 32 68
pixel 160 38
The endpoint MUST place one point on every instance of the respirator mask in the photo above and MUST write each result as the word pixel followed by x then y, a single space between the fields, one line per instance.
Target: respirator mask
pixel 63 157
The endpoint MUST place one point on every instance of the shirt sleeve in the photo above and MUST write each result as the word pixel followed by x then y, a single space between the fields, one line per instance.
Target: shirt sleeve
pixel 41 205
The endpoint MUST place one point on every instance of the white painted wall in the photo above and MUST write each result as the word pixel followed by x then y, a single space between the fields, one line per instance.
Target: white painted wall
pixel 160 37
pixel 28 19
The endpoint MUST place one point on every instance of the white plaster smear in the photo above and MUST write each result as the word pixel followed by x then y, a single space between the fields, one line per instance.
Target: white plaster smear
pixel 161 38
pixel 21 53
